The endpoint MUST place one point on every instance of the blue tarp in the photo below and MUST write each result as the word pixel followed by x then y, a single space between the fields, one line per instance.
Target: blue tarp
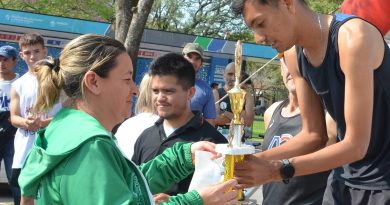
pixel 52 23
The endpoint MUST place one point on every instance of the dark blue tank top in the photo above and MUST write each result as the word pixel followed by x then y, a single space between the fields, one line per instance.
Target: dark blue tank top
pixel 327 80
pixel 308 189
pixel 221 93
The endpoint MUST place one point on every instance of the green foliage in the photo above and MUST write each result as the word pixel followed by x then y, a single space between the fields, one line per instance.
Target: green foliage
pixel 245 35
pixel 269 80
pixel 325 6
pixel 258 129
pixel 211 18
pixel 198 17
pixel 166 15
pixel 99 10
pixel 269 75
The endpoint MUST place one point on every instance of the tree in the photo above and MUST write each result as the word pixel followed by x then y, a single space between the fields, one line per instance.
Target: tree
pixel 99 10
pixel 268 76
pixel 197 17
pixel 211 18
pixel 131 17
pixel 325 6
pixel 166 15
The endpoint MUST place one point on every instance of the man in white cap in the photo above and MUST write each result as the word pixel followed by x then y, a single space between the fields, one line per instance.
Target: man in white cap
pixel 203 100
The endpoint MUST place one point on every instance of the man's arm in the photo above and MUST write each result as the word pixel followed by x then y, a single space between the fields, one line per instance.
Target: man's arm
pixel 210 108
pixel 249 112
pixel 218 119
pixel 211 121
pixel 17 120
pixel 222 118
pixel 216 98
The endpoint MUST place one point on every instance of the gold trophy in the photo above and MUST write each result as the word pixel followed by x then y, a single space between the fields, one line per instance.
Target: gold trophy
pixel 235 151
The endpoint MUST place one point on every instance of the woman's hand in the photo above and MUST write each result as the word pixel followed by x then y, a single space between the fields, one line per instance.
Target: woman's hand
pixel 26 201
pixel 215 195
pixel 160 198
pixel 204 146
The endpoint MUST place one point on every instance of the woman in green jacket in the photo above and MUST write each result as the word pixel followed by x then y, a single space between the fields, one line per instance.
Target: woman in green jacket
pixel 75 160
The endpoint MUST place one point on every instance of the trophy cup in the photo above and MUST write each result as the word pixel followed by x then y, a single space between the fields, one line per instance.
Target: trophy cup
pixel 235 151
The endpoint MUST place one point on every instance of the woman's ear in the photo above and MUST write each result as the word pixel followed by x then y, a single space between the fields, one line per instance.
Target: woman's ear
pixel 92 82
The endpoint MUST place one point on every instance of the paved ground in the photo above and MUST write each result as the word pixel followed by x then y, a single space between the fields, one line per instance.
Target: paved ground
pixel 255 195
pixel 5 195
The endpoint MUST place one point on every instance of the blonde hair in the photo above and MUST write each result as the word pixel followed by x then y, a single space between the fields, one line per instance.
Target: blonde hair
pixel 145 101
pixel 85 53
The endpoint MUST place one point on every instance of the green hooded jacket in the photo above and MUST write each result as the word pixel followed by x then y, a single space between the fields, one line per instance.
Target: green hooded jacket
pixel 76 161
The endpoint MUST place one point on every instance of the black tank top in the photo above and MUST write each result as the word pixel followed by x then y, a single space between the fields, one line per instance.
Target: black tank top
pixel 307 189
pixel 221 93
pixel 327 80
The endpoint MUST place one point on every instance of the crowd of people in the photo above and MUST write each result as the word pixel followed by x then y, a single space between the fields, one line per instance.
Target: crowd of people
pixel 327 143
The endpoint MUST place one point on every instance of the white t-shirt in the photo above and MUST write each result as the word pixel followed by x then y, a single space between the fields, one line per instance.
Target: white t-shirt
pixel 129 131
pixel 168 130
pixel 27 88
pixel 5 92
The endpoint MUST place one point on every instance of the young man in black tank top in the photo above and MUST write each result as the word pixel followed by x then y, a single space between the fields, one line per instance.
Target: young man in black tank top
pixel 283 121
pixel 344 66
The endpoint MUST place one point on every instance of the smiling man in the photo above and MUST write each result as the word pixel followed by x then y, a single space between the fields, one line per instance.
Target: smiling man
pixel 173 79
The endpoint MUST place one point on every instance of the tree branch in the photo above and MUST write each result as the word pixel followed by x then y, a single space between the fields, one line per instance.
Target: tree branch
pixel 123 17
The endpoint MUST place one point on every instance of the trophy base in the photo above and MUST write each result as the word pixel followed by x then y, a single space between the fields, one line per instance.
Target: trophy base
pixel 242 150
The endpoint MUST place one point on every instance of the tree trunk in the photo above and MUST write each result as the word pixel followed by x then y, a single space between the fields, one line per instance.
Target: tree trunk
pixel 134 34
pixel 123 17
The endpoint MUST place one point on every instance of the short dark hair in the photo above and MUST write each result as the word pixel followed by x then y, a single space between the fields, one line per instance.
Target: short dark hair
pixel 214 85
pixel 29 39
pixel 174 64
pixel 237 6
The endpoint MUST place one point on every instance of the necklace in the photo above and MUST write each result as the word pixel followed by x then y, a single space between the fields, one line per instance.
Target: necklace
pixel 320 25
pixel 321 33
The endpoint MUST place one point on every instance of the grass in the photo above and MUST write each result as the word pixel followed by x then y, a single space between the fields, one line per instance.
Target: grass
pixel 258 129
